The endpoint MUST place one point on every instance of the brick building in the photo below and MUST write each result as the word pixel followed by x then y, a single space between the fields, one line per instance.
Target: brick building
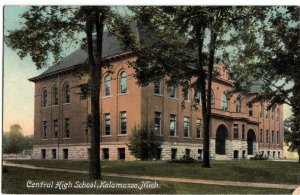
pixel 238 130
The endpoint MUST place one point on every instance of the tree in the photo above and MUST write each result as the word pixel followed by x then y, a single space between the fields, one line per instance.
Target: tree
pixel 292 134
pixel 144 143
pixel 14 141
pixel 54 27
pixel 187 42
pixel 275 43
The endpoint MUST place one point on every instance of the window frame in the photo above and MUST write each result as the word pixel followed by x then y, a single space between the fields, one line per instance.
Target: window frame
pixel 235 131
pixel 45 129
pixel 157 87
pixel 186 127
pixel 157 122
pixel 44 98
pixel 107 82
pixel 107 124
pixel 123 123
pixel 172 121
pixel 55 128
pixel 224 102
pixel 198 128
pixel 67 96
pixel 238 107
pixel 123 83
pixel 67 128
pixel 55 96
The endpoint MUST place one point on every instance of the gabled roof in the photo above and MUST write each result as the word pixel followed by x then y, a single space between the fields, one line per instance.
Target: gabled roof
pixel 111 46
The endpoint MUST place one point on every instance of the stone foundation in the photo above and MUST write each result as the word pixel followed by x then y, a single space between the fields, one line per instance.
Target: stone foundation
pixel 235 149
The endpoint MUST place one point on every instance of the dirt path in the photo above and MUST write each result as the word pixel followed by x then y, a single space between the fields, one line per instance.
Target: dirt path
pixel 171 179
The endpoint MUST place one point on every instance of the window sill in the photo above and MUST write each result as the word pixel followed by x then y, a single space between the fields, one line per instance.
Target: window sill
pixel 104 97
pixel 66 138
pixel 106 136
pixel 122 135
pixel 44 139
pixel 173 136
pixel 173 98
pixel 121 94
pixel 54 138
pixel 187 137
pixel 187 101
pixel 199 138
pixel 66 103
pixel 159 95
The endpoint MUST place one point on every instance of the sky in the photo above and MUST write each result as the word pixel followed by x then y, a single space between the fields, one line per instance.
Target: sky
pixel 18 92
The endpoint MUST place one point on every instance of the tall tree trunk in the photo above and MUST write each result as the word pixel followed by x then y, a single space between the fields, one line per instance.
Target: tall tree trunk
pixel 202 83
pixel 94 73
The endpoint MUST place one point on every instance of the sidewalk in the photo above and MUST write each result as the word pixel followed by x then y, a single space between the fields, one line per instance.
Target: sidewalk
pixel 182 180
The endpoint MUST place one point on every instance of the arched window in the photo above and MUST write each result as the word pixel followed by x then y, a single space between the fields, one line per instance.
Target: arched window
pixel 224 102
pixel 123 82
pixel 260 110
pixel 212 98
pixel 67 93
pixel 238 105
pixel 55 96
pixel 107 85
pixel 44 98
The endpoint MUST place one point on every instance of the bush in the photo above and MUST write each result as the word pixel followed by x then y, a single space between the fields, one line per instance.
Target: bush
pixel 259 156
pixel 144 143
pixel 184 159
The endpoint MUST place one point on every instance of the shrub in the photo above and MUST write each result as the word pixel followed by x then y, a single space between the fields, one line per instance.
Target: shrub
pixel 184 159
pixel 259 156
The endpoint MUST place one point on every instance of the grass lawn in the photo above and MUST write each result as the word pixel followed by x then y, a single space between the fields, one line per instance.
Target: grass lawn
pixel 15 181
pixel 245 171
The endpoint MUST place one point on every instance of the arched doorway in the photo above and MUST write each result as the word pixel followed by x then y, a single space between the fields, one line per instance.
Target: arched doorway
pixel 250 140
pixel 221 136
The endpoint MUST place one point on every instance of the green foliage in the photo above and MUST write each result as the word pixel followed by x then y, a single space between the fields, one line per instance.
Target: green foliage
pixel 184 159
pixel 292 134
pixel 259 156
pixel 15 142
pixel 144 143
pixel 275 45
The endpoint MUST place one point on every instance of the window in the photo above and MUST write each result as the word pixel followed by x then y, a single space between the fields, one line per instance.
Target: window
pixel 173 153
pixel 267 112
pixel 278 114
pixel 238 106
pixel 67 127
pixel 65 153
pixel 55 128
pixel 44 98
pixel 277 137
pixel 43 154
pixel 157 121
pixel 105 153
pixel 186 126
pixel 123 123
pixel 278 154
pixel 235 131
pixel 250 110
pixel 187 153
pixel 107 85
pixel 261 136
pixel 172 91
pixel 273 138
pixel 121 153
pixel 45 129
pixel 243 132
pixel 158 154
pixel 172 125
pixel 224 103
pixel 53 153
pixel 260 110
pixel 273 114
pixel 199 154
pixel 123 82
pixel 198 98
pixel 212 99
pixel 67 93
pixel 55 96
pixel 273 154
pixel 268 136
pixel 198 128
pixel 107 124
pixel 186 94
pixel 157 87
